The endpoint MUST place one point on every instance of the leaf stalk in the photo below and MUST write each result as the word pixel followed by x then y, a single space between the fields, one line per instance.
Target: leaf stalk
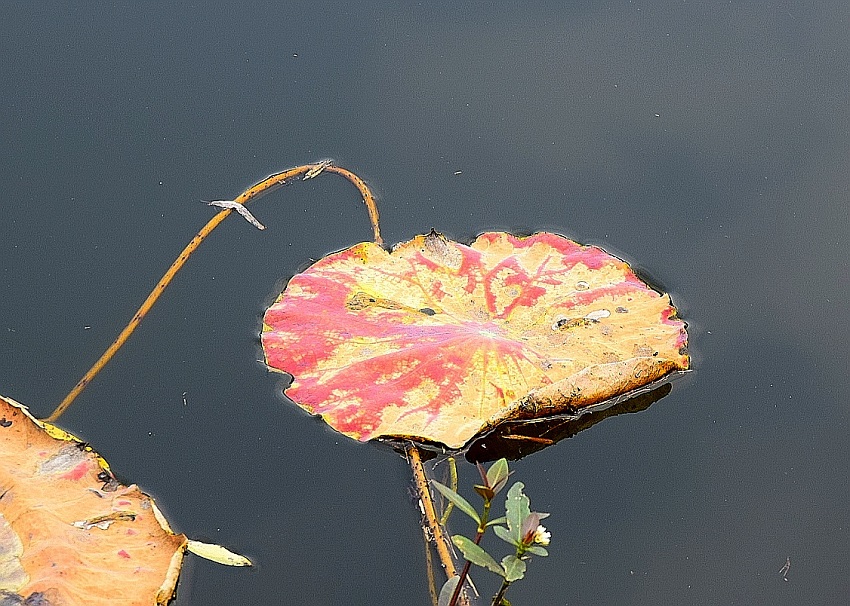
pixel 265 186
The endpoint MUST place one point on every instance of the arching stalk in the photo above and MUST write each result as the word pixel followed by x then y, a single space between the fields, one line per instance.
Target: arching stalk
pixel 265 186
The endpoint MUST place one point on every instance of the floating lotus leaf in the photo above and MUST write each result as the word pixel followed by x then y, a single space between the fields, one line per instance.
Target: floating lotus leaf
pixel 70 533
pixel 438 341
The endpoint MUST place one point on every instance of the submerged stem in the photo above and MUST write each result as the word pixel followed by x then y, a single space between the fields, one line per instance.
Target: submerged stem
pixel 429 567
pixel 265 186
pixel 453 485
pixel 434 526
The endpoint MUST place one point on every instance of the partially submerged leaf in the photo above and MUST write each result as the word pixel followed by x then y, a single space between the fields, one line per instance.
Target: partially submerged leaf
pixel 439 341
pixel 70 533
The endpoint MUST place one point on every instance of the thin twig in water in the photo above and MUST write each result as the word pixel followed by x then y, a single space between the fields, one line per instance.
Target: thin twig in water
pixel 240 208
pixel 785 568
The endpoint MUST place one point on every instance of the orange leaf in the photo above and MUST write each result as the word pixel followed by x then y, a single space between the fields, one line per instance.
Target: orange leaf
pixel 69 532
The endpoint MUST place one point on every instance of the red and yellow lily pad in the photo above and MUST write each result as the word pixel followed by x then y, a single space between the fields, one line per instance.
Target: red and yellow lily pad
pixel 438 341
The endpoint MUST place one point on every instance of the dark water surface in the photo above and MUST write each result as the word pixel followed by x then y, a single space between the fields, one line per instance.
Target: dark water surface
pixel 706 142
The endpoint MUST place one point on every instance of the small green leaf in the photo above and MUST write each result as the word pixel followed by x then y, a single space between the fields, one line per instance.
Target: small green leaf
pixel 505 534
pixel 458 500
pixel 537 550
pixel 476 555
pixel 497 475
pixel 500 485
pixel 486 493
pixel 514 568
pixel 517 508
pixel 501 520
pixel 447 591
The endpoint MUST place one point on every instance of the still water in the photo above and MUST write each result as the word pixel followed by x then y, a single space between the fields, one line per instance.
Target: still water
pixel 706 143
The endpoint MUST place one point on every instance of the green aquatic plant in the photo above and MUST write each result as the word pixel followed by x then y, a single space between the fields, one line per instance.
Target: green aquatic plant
pixel 519 527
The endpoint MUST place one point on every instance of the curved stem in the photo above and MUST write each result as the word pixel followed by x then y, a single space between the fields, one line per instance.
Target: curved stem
pixel 368 198
pixel 265 186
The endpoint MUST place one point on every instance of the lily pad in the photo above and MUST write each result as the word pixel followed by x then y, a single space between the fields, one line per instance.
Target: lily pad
pixel 70 533
pixel 439 341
